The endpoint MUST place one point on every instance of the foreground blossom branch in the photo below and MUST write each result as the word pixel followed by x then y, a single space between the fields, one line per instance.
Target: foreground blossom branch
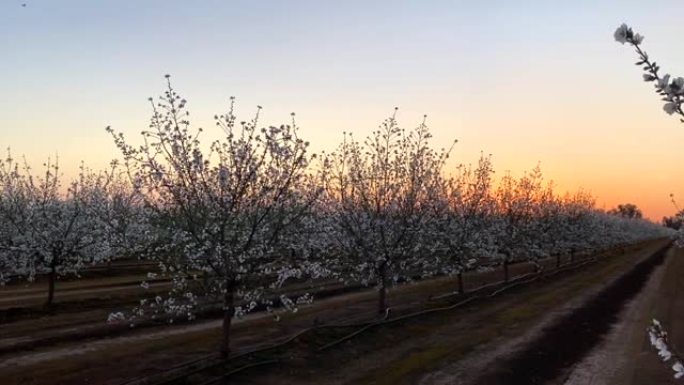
pixel 659 340
pixel 671 89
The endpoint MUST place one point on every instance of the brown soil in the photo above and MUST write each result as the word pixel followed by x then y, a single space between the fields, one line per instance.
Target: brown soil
pixel 428 349
pixel 435 340
pixel 572 337
pixel 626 357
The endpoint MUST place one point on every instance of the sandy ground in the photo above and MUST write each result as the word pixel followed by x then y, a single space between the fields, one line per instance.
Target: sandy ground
pixel 467 371
pixel 85 358
pixel 32 331
pixel 84 292
pixel 32 358
pixel 453 347
pixel 609 363
pixel 626 357
pixel 251 331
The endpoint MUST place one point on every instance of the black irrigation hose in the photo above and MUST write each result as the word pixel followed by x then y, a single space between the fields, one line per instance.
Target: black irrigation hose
pixel 216 355
pixel 480 288
pixel 541 361
pixel 180 365
pixel 386 321
pixel 366 326
pixel 146 380
pixel 517 281
pixel 276 345
pixel 240 369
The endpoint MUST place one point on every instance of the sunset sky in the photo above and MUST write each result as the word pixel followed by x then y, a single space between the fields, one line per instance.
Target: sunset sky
pixel 527 81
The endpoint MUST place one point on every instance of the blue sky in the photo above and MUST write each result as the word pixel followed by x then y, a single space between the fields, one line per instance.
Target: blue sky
pixel 528 81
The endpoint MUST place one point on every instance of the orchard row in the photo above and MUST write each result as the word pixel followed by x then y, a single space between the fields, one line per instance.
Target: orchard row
pixel 235 219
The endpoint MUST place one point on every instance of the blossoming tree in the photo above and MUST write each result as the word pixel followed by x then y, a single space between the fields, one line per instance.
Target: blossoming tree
pixel 221 215
pixel 45 230
pixel 116 208
pixel 461 228
pixel 517 201
pixel 379 197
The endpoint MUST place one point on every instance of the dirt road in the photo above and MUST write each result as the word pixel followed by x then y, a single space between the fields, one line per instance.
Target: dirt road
pixel 626 357
pixel 455 347
pixel 437 346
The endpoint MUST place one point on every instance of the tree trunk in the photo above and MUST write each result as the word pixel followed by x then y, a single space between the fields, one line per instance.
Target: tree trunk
pixel 460 283
pixel 205 279
pixel 52 276
pixel 505 268
pixel 382 291
pixel 228 313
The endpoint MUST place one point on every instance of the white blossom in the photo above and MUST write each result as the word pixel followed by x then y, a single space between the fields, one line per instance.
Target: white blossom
pixel 679 369
pixel 117 317
pixel 623 33
pixel 672 92
pixel 659 340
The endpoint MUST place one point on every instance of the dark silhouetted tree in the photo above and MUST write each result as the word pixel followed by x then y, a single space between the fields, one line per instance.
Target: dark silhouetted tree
pixel 627 210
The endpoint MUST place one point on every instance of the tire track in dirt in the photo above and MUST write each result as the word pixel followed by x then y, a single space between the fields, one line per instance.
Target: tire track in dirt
pixel 572 337
pixel 613 360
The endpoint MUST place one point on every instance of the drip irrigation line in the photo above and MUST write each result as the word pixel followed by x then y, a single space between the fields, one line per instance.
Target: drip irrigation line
pixel 240 369
pixel 363 327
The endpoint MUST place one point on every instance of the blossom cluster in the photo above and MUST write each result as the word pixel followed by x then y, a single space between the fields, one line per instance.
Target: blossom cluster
pixel 669 87
pixel 659 340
